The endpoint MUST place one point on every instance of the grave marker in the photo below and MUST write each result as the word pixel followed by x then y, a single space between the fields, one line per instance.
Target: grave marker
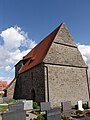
pixel 54 114
pixel 44 106
pixel 65 106
pixel 80 105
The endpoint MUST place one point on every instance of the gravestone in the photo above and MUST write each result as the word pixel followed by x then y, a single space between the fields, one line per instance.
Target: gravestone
pixel 1 100
pixel 21 105
pixel 44 106
pixel 16 106
pixel 28 104
pixel 80 105
pixel 13 115
pixel 88 103
pixel 65 106
pixel 54 114
pixel 5 99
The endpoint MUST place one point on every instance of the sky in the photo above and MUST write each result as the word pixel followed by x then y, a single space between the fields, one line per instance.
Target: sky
pixel 24 23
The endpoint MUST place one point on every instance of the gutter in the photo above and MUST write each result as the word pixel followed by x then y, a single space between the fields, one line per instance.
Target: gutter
pixel 47 83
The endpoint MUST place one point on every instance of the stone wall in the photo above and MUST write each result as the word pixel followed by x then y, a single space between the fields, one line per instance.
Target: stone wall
pixel 64 55
pixel 64 36
pixel 32 79
pixel 66 84
pixel 67 79
pixel 10 90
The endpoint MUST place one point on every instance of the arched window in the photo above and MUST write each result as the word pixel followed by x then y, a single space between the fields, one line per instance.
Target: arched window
pixel 33 95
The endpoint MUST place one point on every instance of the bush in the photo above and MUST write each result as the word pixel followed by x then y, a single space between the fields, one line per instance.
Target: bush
pixel 85 106
pixel 40 117
pixel 36 105
pixel 3 108
pixel 76 107
pixel 12 101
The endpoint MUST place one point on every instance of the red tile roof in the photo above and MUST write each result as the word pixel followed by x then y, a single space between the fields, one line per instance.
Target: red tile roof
pixel 3 84
pixel 37 54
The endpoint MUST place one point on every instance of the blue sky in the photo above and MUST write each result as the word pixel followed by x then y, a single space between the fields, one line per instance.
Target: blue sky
pixel 34 20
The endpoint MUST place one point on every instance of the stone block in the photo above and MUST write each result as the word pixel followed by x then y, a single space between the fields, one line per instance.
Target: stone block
pixel 14 115
pixel 88 103
pixel 44 106
pixel 54 114
pixel 28 104
pixel 16 106
pixel 1 99
pixel 80 105
pixel 66 105
pixel 21 105
pixel 5 99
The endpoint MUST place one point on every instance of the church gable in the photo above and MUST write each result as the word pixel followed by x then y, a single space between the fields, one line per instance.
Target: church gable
pixel 63 36
pixel 64 51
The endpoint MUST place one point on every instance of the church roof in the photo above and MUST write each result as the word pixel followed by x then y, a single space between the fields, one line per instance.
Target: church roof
pixel 38 53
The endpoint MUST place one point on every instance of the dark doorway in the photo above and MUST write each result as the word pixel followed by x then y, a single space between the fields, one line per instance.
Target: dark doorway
pixel 33 95
pixel 5 93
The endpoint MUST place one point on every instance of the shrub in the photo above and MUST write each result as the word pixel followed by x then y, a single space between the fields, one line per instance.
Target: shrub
pixel 36 105
pixel 40 117
pixel 3 108
pixel 76 107
pixel 85 106
pixel 12 101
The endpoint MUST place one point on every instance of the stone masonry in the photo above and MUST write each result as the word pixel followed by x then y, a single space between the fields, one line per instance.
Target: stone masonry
pixel 61 76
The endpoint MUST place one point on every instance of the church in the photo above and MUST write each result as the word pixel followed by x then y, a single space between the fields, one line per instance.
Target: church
pixel 53 71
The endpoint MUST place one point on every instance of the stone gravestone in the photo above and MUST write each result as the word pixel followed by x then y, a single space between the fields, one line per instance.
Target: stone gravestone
pixel 28 104
pixel 16 106
pixel 54 114
pixel 5 99
pixel 80 105
pixel 66 106
pixel 14 115
pixel 88 103
pixel 21 105
pixel 44 106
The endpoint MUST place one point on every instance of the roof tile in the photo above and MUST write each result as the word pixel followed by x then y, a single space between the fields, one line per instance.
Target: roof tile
pixel 37 54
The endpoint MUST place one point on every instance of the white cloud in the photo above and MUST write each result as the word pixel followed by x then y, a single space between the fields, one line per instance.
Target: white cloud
pixel 8 68
pixel 85 51
pixel 14 38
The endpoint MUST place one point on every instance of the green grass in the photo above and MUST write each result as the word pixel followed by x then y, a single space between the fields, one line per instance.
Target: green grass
pixel 12 101
pixel 3 108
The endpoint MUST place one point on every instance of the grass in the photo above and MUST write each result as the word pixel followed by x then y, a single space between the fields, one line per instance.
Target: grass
pixel 12 101
pixel 3 108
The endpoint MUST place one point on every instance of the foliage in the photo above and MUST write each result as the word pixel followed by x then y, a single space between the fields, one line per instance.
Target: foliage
pixel 12 101
pixel 64 117
pixel 36 105
pixel 76 107
pixel 3 108
pixel 40 117
pixel 85 106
